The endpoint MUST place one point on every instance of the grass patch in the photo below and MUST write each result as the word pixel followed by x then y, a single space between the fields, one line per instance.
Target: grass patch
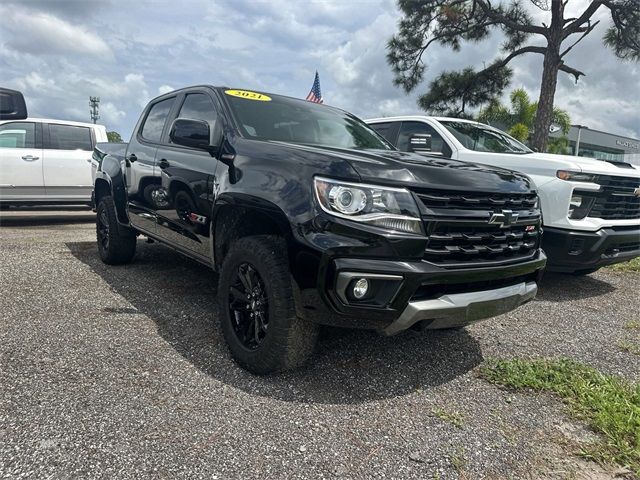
pixel 630 266
pixel 632 325
pixel 454 418
pixel 609 404
pixel 630 347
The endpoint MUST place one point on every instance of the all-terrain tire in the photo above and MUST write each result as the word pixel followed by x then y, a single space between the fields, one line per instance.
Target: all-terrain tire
pixel 116 244
pixel 288 340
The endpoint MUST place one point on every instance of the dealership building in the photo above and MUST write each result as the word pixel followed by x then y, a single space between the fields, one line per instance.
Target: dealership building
pixel 601 145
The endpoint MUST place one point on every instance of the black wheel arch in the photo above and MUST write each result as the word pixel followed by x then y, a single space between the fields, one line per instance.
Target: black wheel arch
pixel 235 217
pixel 110 180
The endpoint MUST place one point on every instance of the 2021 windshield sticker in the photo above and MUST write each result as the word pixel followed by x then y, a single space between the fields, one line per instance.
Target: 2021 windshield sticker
pixel 248 95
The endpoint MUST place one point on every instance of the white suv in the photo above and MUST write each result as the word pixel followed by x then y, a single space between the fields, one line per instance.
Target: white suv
pixel 47 161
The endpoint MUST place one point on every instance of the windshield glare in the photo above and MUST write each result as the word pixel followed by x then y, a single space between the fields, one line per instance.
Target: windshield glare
pixel 297 121
pixel 484 139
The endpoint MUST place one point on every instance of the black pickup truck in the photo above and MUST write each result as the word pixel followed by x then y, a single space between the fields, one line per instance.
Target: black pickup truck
pixel 310 218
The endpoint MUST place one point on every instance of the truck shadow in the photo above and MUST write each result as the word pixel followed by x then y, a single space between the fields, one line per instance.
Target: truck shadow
pixel 349 366
pixel 558 287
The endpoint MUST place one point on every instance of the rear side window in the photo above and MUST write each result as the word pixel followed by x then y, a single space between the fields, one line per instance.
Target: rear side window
pixel 154 123
pixel 18 135
pixel 389 130
pixel 69 137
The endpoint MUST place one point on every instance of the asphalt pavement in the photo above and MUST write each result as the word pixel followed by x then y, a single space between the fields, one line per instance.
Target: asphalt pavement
pixel 122 372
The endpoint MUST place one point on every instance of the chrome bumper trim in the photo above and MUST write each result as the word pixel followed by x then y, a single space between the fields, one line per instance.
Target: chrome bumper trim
pixel 463 308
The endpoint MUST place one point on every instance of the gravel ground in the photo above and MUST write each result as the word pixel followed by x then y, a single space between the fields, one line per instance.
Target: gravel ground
pixel 122 372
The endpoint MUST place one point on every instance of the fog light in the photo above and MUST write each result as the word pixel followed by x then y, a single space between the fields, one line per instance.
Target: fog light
pixel 360 288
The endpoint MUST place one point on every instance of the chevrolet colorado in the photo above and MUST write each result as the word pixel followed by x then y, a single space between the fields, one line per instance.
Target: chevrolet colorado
pixel 310 218
pixel 591 208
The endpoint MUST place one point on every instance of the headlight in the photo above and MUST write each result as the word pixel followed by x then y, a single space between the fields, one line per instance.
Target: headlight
pixel 580 206
pixel 576 176
pixel 385 207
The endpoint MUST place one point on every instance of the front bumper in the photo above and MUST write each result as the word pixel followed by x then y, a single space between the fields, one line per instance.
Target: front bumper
pixel 409 292
pixel 571 250
pixel 461 309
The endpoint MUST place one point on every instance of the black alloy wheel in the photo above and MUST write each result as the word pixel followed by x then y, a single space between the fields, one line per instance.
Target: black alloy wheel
pixel 249 306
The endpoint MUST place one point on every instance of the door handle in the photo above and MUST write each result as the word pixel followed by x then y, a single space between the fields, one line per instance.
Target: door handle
pixel 30 158
pixel 132 157
pixel 164 163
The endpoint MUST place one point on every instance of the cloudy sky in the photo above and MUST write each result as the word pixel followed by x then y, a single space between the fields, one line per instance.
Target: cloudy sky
pixel 59 52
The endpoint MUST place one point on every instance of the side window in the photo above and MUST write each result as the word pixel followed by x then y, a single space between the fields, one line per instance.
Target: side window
pixel 198 106
pixel 389 130
pixel 69 137
pixel 154 123
pixel 438 145
pixel 18 135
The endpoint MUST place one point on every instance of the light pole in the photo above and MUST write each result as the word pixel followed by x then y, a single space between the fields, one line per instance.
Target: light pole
pixel 579 127
pixel 94 103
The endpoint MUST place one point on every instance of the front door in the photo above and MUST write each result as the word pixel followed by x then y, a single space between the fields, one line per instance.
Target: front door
pixel 187 180
pixel 67 161
pixel 21 161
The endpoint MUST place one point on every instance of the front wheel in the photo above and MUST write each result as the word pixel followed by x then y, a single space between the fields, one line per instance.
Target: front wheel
pixel 116 244
pixel 257 308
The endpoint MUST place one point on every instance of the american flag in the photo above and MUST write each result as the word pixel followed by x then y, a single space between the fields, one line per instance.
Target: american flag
pixel 315 95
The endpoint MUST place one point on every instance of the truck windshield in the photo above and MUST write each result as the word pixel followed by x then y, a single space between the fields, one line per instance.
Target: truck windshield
pixel 291 120
pixel 480 138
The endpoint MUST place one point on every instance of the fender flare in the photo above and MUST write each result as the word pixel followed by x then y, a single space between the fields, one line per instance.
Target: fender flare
pixel 253 204
pixel 110 172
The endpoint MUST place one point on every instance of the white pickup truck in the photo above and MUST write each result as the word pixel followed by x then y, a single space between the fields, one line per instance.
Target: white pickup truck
pixel 47 162
pixel 591 208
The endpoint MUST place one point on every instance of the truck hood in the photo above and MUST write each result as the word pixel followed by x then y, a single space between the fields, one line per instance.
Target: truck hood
pixel 412 170
pixel 583 164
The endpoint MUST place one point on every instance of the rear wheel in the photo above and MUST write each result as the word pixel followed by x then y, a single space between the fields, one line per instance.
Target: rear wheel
pixel 116 244
pixel 257 308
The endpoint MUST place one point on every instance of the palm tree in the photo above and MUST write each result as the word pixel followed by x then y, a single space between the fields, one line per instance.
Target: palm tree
pixel 520 118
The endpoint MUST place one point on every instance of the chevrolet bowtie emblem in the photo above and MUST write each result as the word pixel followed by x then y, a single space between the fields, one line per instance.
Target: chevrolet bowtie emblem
pixel 506 218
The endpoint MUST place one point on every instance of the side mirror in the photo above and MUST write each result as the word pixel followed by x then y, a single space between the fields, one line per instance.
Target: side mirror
pixel 191 133
pixel 420 143
pixel 12 105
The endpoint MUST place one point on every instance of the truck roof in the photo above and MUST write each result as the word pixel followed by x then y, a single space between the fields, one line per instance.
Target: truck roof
pixel 408 118
pixel 56 121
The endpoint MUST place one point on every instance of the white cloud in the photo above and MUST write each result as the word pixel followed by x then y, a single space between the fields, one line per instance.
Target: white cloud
pixel 42 33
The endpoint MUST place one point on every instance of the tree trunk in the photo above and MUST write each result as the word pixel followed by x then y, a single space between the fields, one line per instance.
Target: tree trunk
pixel 551 64
pixel 544 114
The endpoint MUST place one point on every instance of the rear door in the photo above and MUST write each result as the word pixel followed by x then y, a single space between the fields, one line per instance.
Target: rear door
pixel 21 176
pixel 67 161
pixel 187 181
pixel 142 175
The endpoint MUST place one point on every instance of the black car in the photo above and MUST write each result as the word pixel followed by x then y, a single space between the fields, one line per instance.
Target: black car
pixel 312 218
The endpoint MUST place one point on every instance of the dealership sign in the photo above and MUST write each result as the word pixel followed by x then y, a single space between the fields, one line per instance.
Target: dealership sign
pixel 628 144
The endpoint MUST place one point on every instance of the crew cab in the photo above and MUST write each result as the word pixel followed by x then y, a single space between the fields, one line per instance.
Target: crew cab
pixel 591 208
pixel 312 218
pixel 45 161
